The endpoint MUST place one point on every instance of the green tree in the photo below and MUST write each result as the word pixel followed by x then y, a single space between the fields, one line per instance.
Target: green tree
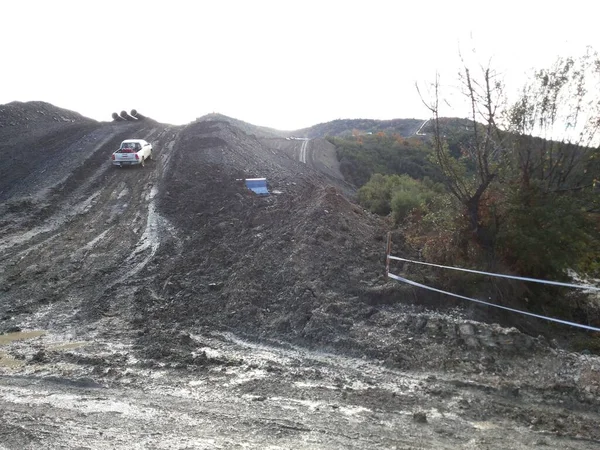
pixel 362 156
pixel 544 233
pixel 524 172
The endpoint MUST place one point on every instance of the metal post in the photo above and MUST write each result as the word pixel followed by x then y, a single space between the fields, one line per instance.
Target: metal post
pixel 388 251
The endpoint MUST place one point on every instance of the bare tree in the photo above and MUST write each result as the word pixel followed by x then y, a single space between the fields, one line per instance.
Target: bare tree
pixel 485 142
pixel 547 137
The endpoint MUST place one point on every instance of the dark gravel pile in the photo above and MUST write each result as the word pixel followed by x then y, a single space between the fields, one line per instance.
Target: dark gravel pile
pixel 299 263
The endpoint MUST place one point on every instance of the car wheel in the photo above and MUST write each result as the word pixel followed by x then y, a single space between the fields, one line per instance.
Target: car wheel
pixel 150 157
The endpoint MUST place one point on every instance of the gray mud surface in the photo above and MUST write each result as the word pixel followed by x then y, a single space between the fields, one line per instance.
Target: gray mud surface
pixel 170 307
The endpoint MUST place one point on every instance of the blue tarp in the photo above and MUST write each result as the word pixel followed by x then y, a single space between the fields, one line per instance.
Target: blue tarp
pixel 257 185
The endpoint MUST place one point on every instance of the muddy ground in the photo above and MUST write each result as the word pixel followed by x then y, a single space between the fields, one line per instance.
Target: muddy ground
pixel 170 307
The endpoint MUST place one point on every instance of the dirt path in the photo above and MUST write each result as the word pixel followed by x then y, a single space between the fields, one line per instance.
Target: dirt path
pixel 94 229
pixel 318 154
pixel 303 147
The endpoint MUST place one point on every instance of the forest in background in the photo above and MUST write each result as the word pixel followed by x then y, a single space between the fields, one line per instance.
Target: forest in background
pixel 512 189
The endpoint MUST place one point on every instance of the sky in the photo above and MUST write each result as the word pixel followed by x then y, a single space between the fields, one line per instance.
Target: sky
pixel 282 64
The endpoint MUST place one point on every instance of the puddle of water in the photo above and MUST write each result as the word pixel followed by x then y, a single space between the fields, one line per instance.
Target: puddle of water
pixel 11 337
pixel 8 361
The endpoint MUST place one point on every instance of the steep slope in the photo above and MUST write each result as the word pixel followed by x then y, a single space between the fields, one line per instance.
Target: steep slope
pixel 272 265
pixel 39 145
pixel 97 236
pixel 70 220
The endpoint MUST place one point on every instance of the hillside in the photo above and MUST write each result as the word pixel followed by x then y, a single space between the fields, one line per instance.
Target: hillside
pixel 170 306
pixel 345 127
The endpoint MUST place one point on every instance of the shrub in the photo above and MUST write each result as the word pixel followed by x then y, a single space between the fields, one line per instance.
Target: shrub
pixel 544 234
pixel 396 194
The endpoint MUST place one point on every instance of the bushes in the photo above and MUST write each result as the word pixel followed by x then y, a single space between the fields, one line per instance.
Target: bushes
pixel 404 201
pixel 544 234
pixel 398 194
pixel 376 195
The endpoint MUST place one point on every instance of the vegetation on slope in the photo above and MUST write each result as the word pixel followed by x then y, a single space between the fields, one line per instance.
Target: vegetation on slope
pixel 353 127
pixel 361 156
pixel 513 189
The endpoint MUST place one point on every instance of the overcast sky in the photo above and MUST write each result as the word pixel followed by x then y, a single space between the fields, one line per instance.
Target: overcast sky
pixel 284 64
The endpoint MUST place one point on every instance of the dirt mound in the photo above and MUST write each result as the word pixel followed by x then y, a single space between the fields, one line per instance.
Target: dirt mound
pixel 32 115
pixel 69 218
pixel 273 265
pixel 37 139
pixel 42 145
pixel 186 244
pixel 244 126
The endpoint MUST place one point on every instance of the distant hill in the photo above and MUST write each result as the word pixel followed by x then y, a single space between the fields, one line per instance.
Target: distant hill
pixel 346 127
pixel 248 128
pixel 449 125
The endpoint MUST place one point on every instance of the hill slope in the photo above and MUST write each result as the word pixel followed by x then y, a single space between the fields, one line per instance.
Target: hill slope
pixel 246 127
pixel 345 127
pixel 146 281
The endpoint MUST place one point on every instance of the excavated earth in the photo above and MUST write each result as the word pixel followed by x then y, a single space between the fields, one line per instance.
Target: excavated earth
pixel 170 307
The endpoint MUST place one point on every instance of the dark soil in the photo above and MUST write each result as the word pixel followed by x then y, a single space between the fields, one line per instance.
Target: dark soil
pixel 176 301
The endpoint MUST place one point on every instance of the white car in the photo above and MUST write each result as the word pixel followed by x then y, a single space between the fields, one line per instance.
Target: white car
pixel 132 152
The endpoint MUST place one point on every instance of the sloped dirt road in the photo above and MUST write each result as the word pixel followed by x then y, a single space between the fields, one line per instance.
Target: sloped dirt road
pixel 87 233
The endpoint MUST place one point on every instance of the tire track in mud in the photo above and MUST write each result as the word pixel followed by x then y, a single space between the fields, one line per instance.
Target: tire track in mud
pixel 67 198
pixel 123 281
pixel 114 302
pixel 103 229
pixel 303 150
pixel 156 225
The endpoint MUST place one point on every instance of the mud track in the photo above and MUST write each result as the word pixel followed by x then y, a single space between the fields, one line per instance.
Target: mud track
pixel 170 307
pixel 96 223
